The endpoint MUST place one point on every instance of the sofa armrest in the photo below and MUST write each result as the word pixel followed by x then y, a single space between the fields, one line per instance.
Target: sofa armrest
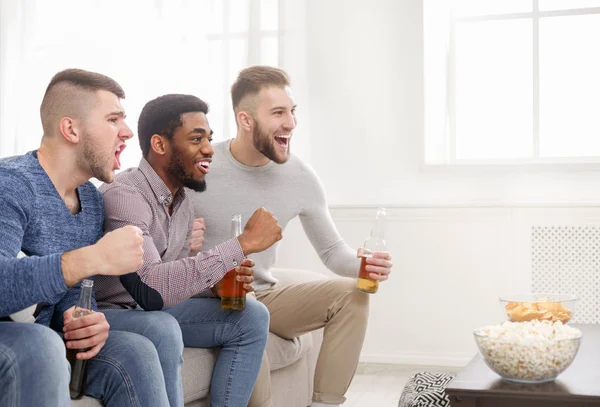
pixel 289 276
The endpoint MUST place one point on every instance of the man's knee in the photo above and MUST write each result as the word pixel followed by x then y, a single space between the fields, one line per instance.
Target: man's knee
pixel 36 349
pixel 164 332
pixel 128 356
pixel 353 300
pixel 256 317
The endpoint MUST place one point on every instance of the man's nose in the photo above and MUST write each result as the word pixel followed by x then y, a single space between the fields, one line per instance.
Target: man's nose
pixel 290 121
pixel 206 147
pixel 125 133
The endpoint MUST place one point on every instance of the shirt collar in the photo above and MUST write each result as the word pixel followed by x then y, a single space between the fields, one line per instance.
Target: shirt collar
pixel 160 190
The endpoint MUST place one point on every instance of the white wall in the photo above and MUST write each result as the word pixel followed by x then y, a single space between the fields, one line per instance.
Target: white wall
pixel 460 238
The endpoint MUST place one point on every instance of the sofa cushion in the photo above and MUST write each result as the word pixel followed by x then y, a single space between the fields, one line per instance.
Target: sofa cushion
pixel 198 364
pixel 283 352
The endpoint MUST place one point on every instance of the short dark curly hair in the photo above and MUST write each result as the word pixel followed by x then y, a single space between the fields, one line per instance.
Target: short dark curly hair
pixel 162 116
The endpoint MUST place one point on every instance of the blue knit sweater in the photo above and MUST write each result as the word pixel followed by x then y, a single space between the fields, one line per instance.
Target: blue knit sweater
pixel 34 219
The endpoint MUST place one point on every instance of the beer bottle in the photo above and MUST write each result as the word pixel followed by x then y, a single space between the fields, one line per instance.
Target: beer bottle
pixel 233 295
pixel 374 243
pixel 78 366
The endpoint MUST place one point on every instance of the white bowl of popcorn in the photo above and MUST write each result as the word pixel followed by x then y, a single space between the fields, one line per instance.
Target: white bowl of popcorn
pixel 528 352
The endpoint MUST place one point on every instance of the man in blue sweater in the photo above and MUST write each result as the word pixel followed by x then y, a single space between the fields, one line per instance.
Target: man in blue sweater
pixel 51 212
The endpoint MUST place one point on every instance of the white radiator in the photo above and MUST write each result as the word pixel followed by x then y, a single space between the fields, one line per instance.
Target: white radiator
pixel 566 260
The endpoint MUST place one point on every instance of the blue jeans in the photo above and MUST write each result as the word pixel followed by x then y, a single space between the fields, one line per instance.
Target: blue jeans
pixel 33 367
pixel 242 336
pixel 147 347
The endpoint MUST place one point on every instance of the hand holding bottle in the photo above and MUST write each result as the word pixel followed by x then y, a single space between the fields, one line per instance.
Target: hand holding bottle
pixel 85 333
pixel 379 265
pixel 375 264
pixel 243 275
pixel 231 288
pixel 89 331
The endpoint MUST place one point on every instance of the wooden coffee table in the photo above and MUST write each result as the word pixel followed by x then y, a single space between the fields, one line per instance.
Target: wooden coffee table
pixel 478 386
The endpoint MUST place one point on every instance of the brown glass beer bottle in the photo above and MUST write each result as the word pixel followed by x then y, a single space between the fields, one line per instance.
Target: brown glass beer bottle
pixel 78 366
pixel 374 243
pixel 233 295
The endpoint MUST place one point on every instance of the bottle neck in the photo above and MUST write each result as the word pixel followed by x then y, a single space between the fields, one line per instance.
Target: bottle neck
pixel 236 225
pixel 378 230
pixel 85 296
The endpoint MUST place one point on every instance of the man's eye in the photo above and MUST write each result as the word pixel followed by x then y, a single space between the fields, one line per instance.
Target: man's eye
pixel 113 120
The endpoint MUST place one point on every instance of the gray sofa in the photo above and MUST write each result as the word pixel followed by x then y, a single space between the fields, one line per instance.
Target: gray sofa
pixel 292 362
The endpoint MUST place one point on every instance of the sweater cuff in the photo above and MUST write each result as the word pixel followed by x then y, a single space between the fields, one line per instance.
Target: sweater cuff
pixel 56 282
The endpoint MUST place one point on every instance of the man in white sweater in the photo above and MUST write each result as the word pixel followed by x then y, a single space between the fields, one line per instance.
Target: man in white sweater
pixel 256 169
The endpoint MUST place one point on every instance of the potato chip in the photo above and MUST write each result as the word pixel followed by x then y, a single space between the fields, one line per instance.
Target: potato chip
pixel 542 310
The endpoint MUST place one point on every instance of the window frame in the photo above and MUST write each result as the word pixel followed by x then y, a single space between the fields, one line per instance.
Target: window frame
pixel 254 37
pixel 534 162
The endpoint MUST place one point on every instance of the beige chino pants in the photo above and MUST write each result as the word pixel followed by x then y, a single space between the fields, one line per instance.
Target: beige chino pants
pixel 333 304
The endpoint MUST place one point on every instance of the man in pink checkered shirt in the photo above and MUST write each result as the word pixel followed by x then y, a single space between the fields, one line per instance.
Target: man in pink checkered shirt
pixel 175 138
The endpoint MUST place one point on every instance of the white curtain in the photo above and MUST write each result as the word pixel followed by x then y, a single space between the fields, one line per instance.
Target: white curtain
pixel 149 47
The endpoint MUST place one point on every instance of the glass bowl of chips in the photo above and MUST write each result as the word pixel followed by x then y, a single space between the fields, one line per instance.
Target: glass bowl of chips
pixel 539 306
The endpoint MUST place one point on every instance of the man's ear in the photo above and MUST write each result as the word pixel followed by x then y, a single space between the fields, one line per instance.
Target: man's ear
pixel 70 130
pixel 159 144
pixel 245 120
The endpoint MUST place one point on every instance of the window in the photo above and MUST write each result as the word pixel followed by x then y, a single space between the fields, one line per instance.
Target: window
pixel 512 81
pixel 151 48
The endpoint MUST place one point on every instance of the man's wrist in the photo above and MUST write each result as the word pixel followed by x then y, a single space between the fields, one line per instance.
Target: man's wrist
pixel 247 248
pixel 75 266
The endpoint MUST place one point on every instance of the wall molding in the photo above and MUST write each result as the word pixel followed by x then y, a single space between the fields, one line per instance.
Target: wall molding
pixel 470 205
pixel 417 358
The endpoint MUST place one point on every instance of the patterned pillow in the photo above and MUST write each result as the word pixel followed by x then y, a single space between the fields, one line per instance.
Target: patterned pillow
pixel 426 390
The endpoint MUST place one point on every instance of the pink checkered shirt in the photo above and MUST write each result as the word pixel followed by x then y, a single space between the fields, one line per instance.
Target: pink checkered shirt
pixel 139 197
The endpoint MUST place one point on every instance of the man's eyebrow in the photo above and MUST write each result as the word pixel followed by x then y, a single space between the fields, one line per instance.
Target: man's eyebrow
pixel 282 108
pixel 120 113
pixel 201 130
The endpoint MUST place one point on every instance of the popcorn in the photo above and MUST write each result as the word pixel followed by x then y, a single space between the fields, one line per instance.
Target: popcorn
pixel 543 309
pixel 532 351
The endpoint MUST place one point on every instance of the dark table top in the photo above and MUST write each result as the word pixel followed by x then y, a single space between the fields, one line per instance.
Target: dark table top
pixel 581 380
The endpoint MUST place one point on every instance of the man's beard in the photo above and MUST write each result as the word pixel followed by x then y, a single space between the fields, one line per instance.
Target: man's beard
pixel 177 171
pixel 92 157
pixel 263 143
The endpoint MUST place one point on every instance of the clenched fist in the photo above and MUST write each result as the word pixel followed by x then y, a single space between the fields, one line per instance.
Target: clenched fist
pixel 118 252
pixel 121 251
pixel 260 233
pixel 197 235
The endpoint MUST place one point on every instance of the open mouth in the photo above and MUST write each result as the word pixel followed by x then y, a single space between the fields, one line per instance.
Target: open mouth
pixel 283 141
pixel 203 166
pixel 118 152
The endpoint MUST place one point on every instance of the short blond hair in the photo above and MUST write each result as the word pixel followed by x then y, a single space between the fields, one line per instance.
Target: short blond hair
pixel 252 80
